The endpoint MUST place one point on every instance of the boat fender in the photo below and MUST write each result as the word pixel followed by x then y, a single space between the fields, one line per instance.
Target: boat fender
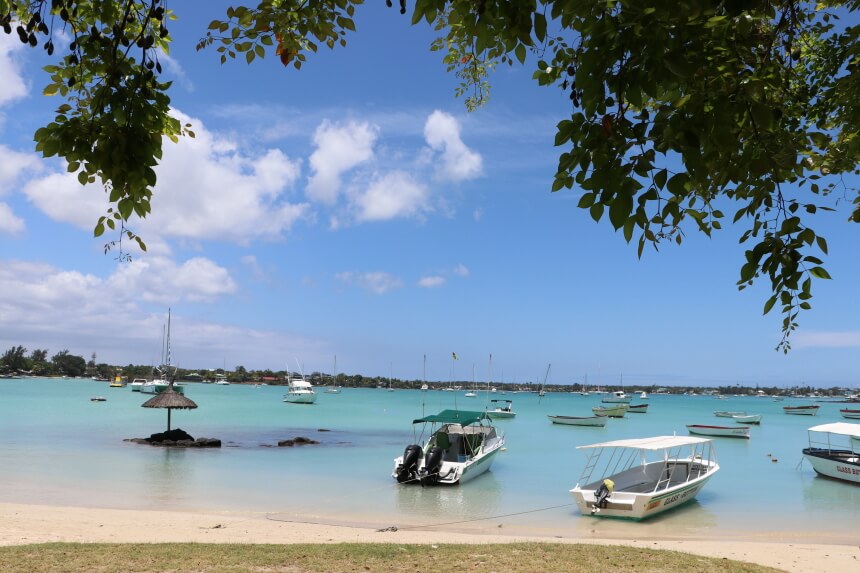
pixel 408 468
pixel 602 495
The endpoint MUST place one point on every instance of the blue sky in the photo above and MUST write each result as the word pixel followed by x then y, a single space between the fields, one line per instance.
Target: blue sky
pixel 354 208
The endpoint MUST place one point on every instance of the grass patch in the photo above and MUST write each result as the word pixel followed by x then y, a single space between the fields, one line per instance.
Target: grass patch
pixel 356 557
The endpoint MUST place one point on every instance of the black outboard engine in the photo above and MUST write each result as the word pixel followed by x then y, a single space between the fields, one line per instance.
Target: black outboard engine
pixel 408 469
pixel 432 465
pixel 601 496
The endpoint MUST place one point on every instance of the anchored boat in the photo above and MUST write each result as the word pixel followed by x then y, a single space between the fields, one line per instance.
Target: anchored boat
pixel 461 446
pixel 721 431
pixel 801 410
pixel 502 409
pixel 834 451
pixel 642 477
pixel 579 420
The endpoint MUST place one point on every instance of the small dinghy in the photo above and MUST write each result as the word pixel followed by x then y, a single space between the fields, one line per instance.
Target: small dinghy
pixel 579 420
pixel 720 431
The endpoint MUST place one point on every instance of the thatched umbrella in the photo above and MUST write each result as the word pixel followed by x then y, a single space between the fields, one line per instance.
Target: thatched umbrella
pixel 170 399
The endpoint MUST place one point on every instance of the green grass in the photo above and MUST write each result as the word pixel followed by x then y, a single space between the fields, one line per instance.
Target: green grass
pixel 356 557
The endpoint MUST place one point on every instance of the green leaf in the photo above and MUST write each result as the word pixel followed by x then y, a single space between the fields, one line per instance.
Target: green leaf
pixel 769 304
pixel 819 273
pixel 520 53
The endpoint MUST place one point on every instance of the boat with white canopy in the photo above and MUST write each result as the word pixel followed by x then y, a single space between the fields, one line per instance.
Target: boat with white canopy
pixel 461 446
pixel 834 451
pixel 641 477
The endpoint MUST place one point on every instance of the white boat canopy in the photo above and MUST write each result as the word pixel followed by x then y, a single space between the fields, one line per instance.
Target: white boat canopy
pixel 655 443
pixel 300 384
pixel 842 428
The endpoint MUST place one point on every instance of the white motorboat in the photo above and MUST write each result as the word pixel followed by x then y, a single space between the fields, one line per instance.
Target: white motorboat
pixel 839 460
pixel 722 414
pixel 616 411
pixel 221 380
pixel 748 419
pixel 299 390
pixel 643 395
pixel 617 397
pixel 801 410
pixel 579 420
pixel 641 477
pixel 501 409
pixel 332 390
pixel 136 384
pixel 425 387
pixel 461 446
pixel 637 408
pixel 721 431
pixel 850 414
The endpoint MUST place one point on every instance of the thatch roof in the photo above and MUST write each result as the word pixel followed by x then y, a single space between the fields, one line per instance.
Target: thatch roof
pixel 170 399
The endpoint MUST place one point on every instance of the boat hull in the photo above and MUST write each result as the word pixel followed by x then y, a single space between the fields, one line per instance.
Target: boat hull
pixel 837 464
pixel 594 421
pixel 719 431
pixel 801 410
pixel 850 414
pixel 751 419
pixel 499 415
pixel 456 473
pixel 303 398
pixel 612 412
pixel 158 388
pixel 638 409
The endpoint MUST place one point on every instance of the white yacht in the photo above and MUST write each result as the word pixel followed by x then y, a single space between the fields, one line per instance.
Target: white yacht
pixel 834 451
pixel 137 384
pixel 300 390
pixel 617 397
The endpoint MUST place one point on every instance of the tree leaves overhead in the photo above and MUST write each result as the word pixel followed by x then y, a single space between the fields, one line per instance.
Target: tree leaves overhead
pixel 677 109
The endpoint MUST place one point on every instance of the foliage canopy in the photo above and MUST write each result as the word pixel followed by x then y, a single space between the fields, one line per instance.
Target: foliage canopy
pixel 678 109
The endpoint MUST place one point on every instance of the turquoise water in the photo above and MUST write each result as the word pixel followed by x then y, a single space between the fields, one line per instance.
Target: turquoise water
pixel 58 448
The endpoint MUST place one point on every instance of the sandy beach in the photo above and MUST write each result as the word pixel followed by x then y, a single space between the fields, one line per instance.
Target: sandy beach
pixel 27 524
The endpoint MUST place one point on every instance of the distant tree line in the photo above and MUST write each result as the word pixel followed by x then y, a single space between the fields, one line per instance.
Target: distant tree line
pixel 16 360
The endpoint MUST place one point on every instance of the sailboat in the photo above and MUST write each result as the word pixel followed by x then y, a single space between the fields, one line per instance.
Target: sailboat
pixel 424 386
pixel 542 392
pixel 472 393
pixel 162 374
pixel 333 389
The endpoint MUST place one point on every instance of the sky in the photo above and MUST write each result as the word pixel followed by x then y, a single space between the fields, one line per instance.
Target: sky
pixel 355 209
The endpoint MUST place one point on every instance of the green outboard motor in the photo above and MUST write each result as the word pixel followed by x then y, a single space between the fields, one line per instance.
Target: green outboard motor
pixel 432 465
pixel 407 470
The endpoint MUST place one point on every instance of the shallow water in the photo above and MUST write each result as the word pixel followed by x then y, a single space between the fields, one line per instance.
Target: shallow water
pixel 58 448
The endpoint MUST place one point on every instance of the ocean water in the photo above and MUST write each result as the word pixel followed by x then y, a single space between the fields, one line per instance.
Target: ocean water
pixel 59 448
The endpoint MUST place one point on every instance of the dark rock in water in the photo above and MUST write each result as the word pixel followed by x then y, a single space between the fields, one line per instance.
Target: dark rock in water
pixel 177 439
pixel 323 430
pixel 174 435
pixel 297 441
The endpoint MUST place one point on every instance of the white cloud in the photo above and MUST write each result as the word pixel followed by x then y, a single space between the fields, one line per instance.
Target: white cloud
pixel 378 282
pixel 9 222
pixel 162 280
pixel 42 306
pixel 457 161
pixel 391 196
pixel 461 270
pixel 339 148
pixel 171 66
pixel 478 214
pixel 812 339
pixel 431 282
pixel 13 85
pixel 208 188
pixel 13 164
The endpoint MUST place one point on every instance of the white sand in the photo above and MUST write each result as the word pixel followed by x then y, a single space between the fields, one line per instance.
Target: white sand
pixel 25 524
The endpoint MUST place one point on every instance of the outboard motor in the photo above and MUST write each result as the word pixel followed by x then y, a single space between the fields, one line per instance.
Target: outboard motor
pixel 432 465
pixel 408 469
pixel 602 495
